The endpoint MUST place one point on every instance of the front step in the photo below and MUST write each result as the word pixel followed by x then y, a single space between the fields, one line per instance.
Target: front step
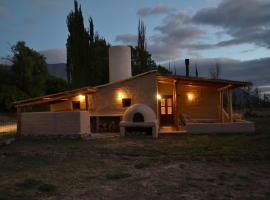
pixel 171 129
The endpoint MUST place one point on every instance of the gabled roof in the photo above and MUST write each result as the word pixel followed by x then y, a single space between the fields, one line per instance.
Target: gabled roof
pixel 203 80
pixel 128 79
pixel 88 90
pixel 71 93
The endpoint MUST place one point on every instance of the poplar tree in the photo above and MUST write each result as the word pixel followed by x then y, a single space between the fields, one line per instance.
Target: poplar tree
pixel 77 49
pixel 141 58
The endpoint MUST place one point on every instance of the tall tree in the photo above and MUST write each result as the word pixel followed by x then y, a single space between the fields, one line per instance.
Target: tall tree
pixel 100 61
pixel 141 58
pixel 91 30
pixel 215 71
pixel 196 70
pixel 87 52
pixel 141 42
pixel 30 69
pixel 77 48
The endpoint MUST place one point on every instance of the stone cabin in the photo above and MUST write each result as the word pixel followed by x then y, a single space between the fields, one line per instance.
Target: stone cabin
pixel 150 103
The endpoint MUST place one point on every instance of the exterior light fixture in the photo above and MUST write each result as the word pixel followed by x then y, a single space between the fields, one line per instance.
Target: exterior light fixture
pixel 81 97
pixel 190 97
pixel 158 96
pixel 120 96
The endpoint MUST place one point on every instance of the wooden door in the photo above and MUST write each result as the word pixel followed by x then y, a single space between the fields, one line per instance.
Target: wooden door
pixel 166 110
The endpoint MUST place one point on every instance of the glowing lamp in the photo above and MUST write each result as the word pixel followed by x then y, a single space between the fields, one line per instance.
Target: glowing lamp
pixel 120 96
pixel 190 97
pixel 158 96
pixel 81 97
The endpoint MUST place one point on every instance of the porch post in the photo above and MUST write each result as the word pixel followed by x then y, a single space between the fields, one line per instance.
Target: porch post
pixel 157 106
pixel 175 103
pixel 221 106
pixel 230 109
pixel 19 118
pixel 86 102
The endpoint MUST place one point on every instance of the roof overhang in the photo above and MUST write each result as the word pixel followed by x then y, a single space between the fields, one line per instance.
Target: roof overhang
pixel 52 98
pixel 220 83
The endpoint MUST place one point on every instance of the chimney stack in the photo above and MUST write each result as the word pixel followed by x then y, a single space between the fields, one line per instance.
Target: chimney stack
pixel 187 67
pixel 119 63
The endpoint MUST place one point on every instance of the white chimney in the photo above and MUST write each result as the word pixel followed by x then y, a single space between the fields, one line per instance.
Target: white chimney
pixel 119 63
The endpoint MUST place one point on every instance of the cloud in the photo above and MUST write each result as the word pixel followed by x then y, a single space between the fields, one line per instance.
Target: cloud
pixel 157 10
pixel 187 33
pixel 49 4
pixel 130 39
pixel 54 55
pixel 246 21
pixel 172 35
pixel 3 10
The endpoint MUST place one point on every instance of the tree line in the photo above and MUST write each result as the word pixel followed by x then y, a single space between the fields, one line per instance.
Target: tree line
pixel 88 53
pixel 26 77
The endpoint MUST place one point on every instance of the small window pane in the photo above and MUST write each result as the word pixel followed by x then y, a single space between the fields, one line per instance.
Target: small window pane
pixel 169 102
pixel 163 111
pixel 169 110
pixel 162 102
pixel 76 105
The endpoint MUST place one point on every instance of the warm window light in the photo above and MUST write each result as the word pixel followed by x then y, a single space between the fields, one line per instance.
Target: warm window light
pixel 158 96
pixel 190 97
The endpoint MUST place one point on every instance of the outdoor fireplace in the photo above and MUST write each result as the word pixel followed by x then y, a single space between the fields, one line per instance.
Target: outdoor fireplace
pixel 141 118
pixel 138 117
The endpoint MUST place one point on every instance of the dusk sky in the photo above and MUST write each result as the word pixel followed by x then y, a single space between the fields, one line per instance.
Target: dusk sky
pixel 233 33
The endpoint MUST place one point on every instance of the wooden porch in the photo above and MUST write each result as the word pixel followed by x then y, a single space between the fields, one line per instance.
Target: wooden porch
pixel 183 89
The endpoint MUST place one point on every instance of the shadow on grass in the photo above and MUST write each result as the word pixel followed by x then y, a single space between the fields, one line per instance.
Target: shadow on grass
pixel 31 183
pixel 117 176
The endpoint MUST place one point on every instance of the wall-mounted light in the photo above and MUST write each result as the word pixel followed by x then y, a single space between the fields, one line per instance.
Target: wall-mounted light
pixel 190 97
pixel 81 97
pixel 120 96
pixel 158 96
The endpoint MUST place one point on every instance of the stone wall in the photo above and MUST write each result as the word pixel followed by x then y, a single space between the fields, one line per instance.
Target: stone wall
pixel 55 123
pixel 235 127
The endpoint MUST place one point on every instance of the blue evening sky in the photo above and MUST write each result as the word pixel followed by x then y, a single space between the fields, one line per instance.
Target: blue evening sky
pixel 42 25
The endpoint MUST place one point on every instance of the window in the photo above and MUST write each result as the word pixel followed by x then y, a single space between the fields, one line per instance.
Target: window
pixel 166 105
pixel 126 102
pixel 76 105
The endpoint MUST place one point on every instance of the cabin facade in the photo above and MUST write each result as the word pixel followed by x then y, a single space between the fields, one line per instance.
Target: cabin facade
pixel 149 102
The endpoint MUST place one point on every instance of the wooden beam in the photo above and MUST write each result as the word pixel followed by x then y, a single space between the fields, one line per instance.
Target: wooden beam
pixel 86 103
pixel 19 122
pixel 225 87
pixel 157 101
pixel 175 104
pixel 221 106
pixel 44 101
pixel 57 95
pixel 230 109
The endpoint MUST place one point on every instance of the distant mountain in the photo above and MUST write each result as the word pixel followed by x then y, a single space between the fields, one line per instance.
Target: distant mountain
pixel 58 70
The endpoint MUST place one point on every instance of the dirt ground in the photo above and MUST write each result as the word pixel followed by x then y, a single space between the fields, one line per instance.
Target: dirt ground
pixel 172 167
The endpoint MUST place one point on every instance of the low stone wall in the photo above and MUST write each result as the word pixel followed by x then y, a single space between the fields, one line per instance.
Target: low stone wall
pixel 55 123
pixel 235 127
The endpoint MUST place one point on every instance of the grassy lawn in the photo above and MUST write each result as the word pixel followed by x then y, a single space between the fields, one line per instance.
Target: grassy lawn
pixel 172 167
